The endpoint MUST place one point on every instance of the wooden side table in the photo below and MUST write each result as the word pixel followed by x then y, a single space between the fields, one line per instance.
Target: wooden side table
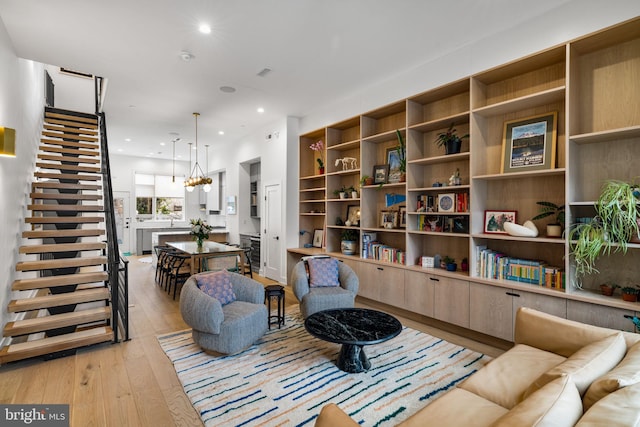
pixel 275 292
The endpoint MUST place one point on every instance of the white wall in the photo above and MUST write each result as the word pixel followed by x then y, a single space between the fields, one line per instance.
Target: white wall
pixel 21 108
pixel 569 21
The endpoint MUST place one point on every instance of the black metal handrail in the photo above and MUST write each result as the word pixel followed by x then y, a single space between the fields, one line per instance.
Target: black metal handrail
pixel 117 266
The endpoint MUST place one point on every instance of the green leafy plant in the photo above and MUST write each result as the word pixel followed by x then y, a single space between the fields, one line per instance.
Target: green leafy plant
pixel 349 235
pixel 448 260
pixel 337 192
pixel 617 207
pixel 587 243
pixel 444 138
pixel 366 180
pixel 549 209
pixel 401 149
pixel 630 291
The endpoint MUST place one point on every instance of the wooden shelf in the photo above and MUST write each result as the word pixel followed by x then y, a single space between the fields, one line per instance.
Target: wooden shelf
pixel 607 136
pixel 520 175
pixel 440 159
pixel 523 103
pixel 489 236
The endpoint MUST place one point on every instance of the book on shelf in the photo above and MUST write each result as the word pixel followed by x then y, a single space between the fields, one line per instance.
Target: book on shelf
pixel 491 264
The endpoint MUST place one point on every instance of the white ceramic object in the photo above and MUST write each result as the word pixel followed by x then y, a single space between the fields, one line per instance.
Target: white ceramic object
pixel 531 226
pixel 519 230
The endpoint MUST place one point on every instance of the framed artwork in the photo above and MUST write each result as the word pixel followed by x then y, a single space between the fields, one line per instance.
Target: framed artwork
pixel 388 219
pixel 353 214
pixel 402 217
pixel 380 174
pixel 446 202
pixel 494 221
pixel 530 144
pixel 393 159
pixel 317 238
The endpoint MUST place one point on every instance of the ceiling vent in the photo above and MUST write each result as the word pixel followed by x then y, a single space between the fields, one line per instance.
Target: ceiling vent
pixel 264 72
pixel 75 73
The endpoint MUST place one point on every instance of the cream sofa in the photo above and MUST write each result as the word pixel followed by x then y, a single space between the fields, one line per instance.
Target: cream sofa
pixel 559 373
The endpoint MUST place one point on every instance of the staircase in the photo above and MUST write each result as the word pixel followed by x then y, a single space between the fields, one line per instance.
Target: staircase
pixel 67 305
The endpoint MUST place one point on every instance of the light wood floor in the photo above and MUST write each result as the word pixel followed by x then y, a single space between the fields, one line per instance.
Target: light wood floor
pixel 133 383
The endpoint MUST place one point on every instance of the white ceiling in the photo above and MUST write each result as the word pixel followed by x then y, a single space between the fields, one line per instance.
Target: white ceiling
pixel 319 50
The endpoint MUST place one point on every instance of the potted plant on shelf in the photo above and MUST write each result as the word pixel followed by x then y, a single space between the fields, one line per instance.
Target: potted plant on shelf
pixel 319 147
pixel 366 180
pixel 608 289
pixel 630 294
pixel 351 190
pixel 464 265
pixel 618 209
pixel 349 241
pixel 341 192
pixel 450 140
pixel 548 209
pixel 450 263
pixel 401 149
pixel 587 241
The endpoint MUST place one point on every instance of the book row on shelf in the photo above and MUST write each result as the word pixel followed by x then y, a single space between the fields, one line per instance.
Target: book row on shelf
pixel 446 202
pixel 495 265
pixel 373 249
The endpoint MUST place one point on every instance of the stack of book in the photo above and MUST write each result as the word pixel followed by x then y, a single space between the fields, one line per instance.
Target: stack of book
pixel 491 264
pixel 372 249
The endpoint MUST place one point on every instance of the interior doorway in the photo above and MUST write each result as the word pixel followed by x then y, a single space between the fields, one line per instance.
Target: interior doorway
pixel 273 231
pixel 123 221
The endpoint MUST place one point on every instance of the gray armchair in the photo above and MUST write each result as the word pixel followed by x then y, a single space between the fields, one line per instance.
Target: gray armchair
pixel 230 328
pixel 313 300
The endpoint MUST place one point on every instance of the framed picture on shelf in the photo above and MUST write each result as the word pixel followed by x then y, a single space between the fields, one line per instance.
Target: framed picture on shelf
pixel 529 144
pixel 388 219
pixel 380 174
pixel 402 214
pixel 494 221
pixel 393 159
pixel 446 202
pixel 317 238
pixel 353 215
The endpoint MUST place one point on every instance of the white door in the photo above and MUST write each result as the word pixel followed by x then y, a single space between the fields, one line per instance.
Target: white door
pixel 272 233
pixel 123 219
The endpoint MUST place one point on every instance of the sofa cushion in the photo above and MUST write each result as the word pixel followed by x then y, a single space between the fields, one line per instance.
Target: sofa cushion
pixel 586 364
pixel 217 285
pixel 618 409
pixel 505 379
pixel 323 272
pixel 457 407
pixel 557 404
pixel 625 374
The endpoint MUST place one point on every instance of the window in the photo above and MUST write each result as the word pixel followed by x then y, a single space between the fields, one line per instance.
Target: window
pixel 159 198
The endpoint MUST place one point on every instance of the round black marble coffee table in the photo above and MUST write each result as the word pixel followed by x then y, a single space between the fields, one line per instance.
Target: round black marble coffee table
pixel 353 328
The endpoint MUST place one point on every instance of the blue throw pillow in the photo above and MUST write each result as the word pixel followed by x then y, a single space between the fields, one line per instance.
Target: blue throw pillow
pixel 323 272
pixel 217 285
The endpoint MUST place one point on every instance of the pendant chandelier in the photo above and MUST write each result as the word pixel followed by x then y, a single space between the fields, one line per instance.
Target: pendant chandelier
pixel 197 177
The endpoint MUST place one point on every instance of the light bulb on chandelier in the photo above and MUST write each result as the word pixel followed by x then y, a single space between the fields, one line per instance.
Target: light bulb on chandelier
pixel 196 179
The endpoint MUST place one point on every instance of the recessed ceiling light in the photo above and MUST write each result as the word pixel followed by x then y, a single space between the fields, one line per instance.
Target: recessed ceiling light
pixel 220 132
pixel 162 143
pixel 204 29
pixel 260 110
pixel 227 89
pixel 127 139
pixel 120 150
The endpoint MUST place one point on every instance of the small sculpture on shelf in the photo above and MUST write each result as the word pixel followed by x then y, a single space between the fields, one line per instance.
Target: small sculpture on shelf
pixel 348 163
pixel 455 178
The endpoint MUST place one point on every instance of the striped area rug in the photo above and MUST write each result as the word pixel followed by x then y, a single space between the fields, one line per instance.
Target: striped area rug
pixel 286 377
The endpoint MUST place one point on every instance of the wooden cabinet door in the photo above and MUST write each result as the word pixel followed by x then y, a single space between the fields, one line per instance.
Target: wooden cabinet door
pixel 369 286
pixel 600 315
pixel 391 285
pixel 491 311
pixel 544 303
pixel 419 292
pixel 451 300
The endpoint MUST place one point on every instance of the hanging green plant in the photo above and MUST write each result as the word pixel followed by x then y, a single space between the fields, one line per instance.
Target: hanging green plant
pixel 617 207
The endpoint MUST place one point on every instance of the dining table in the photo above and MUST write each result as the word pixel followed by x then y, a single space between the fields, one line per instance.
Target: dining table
pixel 207 250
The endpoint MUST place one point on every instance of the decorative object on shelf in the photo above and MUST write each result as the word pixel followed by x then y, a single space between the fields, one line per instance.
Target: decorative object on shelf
pixel 587 241
pixel 397 160
pixel 319 148
pixel 380 174
pixel 437 184
pixel 464 265
pixel 341 192
pixel 349 242
pixel 514 229
pixel 199 230
pixel 402 217
pixel 630 294
pixel 197 176
pixel 494 221
pixel 450 263
pixel 348 163
pixel 391 199
pixel 302 233
pixel 427 262
pixel 7 142
pixel 450 141
pixel 548 208
pixel 339 221
pixel 353 215
pixel 351 190
pixel 607 289
pixel 529 144
pixel 455 178
pixel 366 180
pixel 446 202
pixel 388 218
pixel 317 238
